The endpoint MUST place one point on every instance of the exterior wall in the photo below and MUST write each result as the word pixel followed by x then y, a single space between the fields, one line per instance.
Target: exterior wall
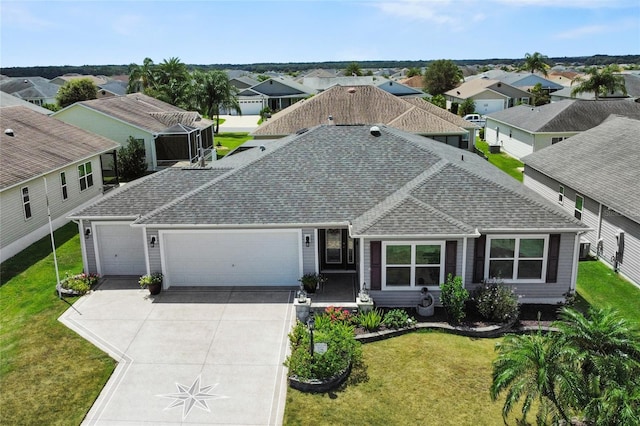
pixel 117 131
pixel 517 142
pixel 154 257
pixel 17 233
pixel 88 247
pixel 488 105
pixel 605 224
pixel 310 254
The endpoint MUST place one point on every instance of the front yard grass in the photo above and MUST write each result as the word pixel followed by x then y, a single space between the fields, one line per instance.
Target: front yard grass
pixel 48 374
pixel 229 141
pixel 600 287
pixel 419 378
pixel 503 161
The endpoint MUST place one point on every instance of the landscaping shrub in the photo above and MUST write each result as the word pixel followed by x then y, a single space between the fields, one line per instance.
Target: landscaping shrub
pixel 80 283
pixel 495 301
pixel 453 298
pixel 337 314
pixel 370 320
pixel 397 318
pixel 342 350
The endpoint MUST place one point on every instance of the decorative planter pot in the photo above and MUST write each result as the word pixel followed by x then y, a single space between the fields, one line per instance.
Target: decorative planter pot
pixel 155 288
pixel 302 309
pixel 318 386
pixel 426 311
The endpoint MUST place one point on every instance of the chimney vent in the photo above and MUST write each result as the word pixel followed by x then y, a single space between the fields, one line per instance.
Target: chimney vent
pixel 9 132
pixel 375 131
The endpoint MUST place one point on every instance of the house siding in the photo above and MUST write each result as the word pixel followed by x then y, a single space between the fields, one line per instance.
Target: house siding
pixel 117 131
pixel 517 142
pixel 309 254
pixel 16 232
pixel 604 227
pixel 91 265
pixel 154 257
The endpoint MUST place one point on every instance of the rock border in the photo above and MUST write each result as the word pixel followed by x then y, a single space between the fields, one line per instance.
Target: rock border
pixel 319 386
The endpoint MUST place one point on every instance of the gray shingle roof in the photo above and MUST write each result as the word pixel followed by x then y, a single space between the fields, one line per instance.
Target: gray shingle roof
pixel 601 163
pixel 383 185
pixel 565 116
pixel 29 87
pixel 42 144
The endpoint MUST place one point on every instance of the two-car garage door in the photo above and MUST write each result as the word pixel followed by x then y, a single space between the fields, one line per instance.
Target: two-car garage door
pixel 231 258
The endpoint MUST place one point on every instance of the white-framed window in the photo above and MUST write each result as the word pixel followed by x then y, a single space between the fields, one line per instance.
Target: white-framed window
pixel 26 203
pixel 86 175
pixel 561 194
pixel 517 258
pixel 63 185
pixel 410 265
pixel 578 208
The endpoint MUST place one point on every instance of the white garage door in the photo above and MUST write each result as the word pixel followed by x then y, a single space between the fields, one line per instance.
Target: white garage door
pixel 233 258
pixel 120 249
pixel 487 106
pixel 250 107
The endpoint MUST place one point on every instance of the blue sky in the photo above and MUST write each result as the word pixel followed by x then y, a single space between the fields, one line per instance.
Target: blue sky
pixel 87 32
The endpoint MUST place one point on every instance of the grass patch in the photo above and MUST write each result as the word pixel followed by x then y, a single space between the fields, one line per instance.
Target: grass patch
pixel 49 374
pixel 229 141
pixel 418 378
pixel 600 287
pixel 503 161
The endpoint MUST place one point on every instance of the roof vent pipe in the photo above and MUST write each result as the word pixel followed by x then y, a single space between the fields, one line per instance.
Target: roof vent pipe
pixel 375 131
pixel 9 132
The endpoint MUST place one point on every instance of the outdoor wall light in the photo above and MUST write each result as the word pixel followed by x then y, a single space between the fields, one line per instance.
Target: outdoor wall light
pixel 152 243
pixel 87 233
pixel 307 239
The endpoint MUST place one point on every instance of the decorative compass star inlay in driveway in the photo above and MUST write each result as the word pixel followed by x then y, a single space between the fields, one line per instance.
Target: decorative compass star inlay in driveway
pixel 192 396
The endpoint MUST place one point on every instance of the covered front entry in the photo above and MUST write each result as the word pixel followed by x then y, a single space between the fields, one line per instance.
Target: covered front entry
pixel 338 252
pixel 231 258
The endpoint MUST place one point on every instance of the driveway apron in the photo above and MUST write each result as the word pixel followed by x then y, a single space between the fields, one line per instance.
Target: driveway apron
pixel 202 356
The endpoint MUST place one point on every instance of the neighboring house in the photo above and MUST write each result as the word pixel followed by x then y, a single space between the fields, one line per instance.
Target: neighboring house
pixel 631 82
pixel 320 84
pixel 170 134
pixel 596 177
pixel 10 100
pixel 63 79
pixel 395 210
pixel 44 163
pixel 526 81
pixel 37 90
pixel 112 88
pixel 277 93
pixel 525 129
pixel 488 95
pixel 243 82
pixel 417 81
pixel 369 104
pixel 563 78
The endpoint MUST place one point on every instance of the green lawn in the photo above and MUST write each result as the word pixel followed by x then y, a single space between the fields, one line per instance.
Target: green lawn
pixel 229 141
pixel 599 286
pixel 503 161
pixel 428 378
pixel 49 375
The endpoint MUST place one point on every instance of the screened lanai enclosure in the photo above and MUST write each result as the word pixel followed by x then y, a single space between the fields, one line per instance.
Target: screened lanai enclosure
pixel 184 143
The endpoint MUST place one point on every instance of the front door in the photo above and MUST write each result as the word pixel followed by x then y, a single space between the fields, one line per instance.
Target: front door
pixel 337 250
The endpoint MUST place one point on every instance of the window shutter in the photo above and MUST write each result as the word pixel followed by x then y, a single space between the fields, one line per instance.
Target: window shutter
pixel 450 258
pixel 552 261
pixel 376 265
pixel 478 258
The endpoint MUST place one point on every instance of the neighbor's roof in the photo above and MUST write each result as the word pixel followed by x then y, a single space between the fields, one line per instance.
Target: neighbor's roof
pixel 565 116
pixel 29 87
pixel 358 105
pixel 144 111
pixel 471 88
pixel 10 100
pixel 42 144
pixel 601 163
pixel 395 183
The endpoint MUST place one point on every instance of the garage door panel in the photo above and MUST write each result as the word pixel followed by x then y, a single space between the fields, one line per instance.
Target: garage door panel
pixel 120 250
pixel 232 258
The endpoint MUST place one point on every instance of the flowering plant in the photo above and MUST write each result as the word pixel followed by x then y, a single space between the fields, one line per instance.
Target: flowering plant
pixel 147 279
pixel 337 314
pixel 79 283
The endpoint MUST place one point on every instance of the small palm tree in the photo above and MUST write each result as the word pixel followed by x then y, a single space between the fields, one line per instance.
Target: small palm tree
pixel 600 82
pixel 530 368
pixel 536 62
pixel 141 77
pixel 213 92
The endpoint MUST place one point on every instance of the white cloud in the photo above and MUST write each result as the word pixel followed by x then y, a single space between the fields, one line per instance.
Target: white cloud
pixel 581 32
pixel 16 15
pixel 453 14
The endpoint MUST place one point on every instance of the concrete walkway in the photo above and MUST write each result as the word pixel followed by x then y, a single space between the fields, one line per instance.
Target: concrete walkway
pixel 239 123
pixel 187 356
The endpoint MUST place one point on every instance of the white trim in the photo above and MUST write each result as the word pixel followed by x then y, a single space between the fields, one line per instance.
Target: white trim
pixel 420 236
pixel 412 286
pixel 316 251
pixel 146 251
pixel 516 260
pixel 25 203
pixel 561 195
pixel 464 261
pixel 83 247
pixel 64 186
pixel 575 206
pixel 574 268
pixel 361 261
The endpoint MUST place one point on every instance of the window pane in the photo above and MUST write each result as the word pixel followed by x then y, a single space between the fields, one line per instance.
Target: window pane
pixel 27 210
pixel 531 247
pixel 25 194
pixel 530 269
pixel 501 269
pixel 579 202
pixel 88 167
pixel 503 248
pixel 89 180
pixel 428 255
pixel 398 276
pixel 81 171
pixel 399 255
pixel 83 184
pixel 427 276
pixel 63 178
pixel 65 195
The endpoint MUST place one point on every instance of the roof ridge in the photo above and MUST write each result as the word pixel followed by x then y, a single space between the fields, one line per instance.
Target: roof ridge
pixel 443 215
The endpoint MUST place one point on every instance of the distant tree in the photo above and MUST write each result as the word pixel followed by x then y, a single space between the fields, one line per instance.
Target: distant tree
pixel 439 100
pixel 413 71
pixel 262 77
pixel 468 106
pixel 141 77
pixel 536 62
pixel 369 73
pixel 131 160
pixel 353 69
pixel 172 81
pixel 213 92
pixel 440 76
pixel 52 107
pixel 539 95
pixel 600 82
pixel 77 90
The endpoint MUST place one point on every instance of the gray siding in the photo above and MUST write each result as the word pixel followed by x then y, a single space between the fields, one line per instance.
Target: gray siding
pixel 611 223
pixel 155 260
pixel 309 253
pixel 91 265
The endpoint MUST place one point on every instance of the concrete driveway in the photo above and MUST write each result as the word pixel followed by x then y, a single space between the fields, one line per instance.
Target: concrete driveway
pixel 188 356
pixel 239 123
